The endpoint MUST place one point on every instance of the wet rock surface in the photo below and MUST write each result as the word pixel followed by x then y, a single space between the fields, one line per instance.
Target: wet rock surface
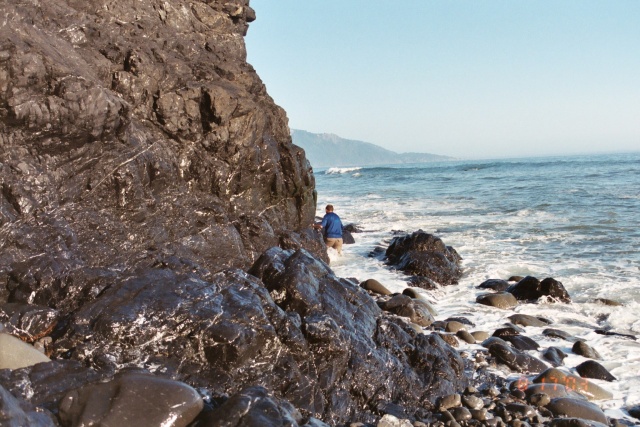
pixel 531 289
pixel 425 255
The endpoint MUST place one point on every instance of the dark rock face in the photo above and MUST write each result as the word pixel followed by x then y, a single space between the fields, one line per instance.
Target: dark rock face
pixel 132 131
pixel 348 344
pixel 425 255
pixel 530 289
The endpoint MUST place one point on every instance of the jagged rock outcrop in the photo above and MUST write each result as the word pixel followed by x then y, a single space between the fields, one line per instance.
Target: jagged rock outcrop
pixel 143 170
pixel 426 257
pixel 133 130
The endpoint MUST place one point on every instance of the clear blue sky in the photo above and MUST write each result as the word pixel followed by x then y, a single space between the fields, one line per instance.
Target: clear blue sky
pixel 470 79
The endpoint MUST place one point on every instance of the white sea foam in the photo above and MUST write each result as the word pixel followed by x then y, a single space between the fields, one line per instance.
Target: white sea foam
pixel 506 228
pixel 331 171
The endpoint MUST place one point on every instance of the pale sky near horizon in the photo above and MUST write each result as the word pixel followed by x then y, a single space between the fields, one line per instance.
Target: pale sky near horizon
pixel 469 79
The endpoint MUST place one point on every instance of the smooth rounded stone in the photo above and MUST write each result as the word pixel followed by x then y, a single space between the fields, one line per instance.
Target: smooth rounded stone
pixel 554 376
pixel 576 408
pixel 454 326
pixel 132 399
pixel 449 401
pixel 497 285
pixel 557 333
pixel 460 319
pixel 552 390
pixel 493 340
pixel 539 399
pixel 449 339
pixel 461 413
pixel 374 286
pixel 480 336
pixel 395 302
pixel 522 342
pixel 479 414
pixel 527 320
pixel 521 410
pixel 514 359
pixel 594 370
pixel 575 422
pixel 472 402
pixel 503 300
pixel 426 305
pixel 554 355
pixel 583 349
pixel 466 336
pixel 16 354
pixel 389 420
pixel 27 321
pixel 506 332
pixel 610 302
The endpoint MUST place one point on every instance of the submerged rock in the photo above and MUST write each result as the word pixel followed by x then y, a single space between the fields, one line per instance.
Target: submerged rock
pixel 423 254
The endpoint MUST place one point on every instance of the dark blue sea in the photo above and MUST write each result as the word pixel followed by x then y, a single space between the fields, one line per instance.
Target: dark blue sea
pixel 573 218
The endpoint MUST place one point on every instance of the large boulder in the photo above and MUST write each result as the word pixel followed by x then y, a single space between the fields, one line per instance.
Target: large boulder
pixel 531 289
pixel 425 255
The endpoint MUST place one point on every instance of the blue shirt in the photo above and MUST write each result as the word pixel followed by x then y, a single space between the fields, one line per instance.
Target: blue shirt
pixel 332 226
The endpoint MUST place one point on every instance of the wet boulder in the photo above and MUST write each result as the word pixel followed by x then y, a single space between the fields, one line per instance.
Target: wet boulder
pixel 516 360
pixel 554 355
pixel 253 406
pixel 374 286
pixel 553 376
pixel 592 369
pixel 364 347
pixel 520 342
pixel 132 399
pixel 530 289
pixel 583 349
pixel 527 320
pixel 423 254
pixel 347 238
pixel 577 408
pixel 497 285
pixel 503 300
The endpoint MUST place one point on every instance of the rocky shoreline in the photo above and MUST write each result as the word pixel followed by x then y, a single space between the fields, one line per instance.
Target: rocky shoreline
pixel 156 261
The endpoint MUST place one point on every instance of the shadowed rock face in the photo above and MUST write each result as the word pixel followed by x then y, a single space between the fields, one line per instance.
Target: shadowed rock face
pixel 133 131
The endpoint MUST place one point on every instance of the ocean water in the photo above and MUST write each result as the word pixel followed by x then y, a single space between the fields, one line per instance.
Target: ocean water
pixel 575 219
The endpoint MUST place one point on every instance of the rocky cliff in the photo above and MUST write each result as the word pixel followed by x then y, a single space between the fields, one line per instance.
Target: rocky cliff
pixel 144 172
pixel 135 130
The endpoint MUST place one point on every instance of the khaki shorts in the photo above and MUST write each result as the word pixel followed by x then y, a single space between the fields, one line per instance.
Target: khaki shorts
pixel 335 243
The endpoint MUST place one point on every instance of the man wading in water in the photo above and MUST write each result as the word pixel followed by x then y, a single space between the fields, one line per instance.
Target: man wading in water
pixel 332 229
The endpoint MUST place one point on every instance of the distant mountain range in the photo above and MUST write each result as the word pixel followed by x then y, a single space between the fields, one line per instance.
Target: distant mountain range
pixel 328 150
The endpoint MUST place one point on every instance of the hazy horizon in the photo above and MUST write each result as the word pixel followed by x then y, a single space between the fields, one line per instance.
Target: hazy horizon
pixel 484 79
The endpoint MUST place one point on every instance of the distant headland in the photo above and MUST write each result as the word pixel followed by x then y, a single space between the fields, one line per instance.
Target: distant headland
pixel 329 150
